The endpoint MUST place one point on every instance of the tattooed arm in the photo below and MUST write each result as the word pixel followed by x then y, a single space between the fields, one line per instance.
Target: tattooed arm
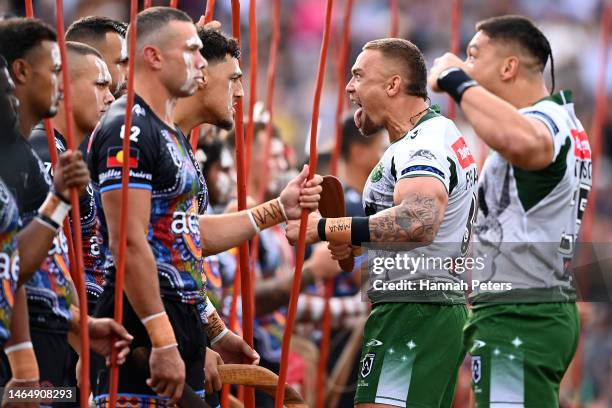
pixel 420 203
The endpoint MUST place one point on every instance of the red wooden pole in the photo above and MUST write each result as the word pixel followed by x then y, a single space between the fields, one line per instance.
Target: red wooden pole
pixel 301 247
pixel 455 44
pixel 394 8
pixel 120 278
pixel 77 269
pixel 245 275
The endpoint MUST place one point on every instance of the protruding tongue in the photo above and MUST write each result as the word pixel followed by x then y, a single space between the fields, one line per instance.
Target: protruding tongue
pixel 357 117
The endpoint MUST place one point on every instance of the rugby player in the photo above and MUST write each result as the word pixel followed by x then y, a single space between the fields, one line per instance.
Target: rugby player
pixel 32 54
pixel 108 37
pixel 90 80
pixel 532 193
pixel 166 235
pixel 421 193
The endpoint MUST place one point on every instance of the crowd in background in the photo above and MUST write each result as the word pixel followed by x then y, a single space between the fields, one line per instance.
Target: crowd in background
pixel 573 28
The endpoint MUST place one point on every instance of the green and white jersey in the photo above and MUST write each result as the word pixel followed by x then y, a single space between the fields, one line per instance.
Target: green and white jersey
pixel 433 148
pixel 528 221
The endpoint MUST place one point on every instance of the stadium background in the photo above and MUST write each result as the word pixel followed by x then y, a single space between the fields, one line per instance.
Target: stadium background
pixel 572 26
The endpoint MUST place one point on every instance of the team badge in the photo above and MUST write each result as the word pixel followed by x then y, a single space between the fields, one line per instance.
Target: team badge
pixel 377 173
pixel 476 369
pixel 367 364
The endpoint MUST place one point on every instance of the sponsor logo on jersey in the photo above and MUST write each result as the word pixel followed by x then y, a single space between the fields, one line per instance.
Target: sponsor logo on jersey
pixel 426 154
pixel 582 148
pixel 115 156
pixel 377 173
pixel 367 364
pixel 476 369
pixel 464 155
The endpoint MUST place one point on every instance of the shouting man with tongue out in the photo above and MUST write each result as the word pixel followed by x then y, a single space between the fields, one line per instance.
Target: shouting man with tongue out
pixel 420 202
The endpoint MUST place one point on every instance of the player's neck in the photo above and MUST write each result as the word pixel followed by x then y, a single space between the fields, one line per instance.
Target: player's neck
pixel 402 116
pixel 185 120
pixel 525 93
pixel 160 101
pixel 59 124
pixel 27 118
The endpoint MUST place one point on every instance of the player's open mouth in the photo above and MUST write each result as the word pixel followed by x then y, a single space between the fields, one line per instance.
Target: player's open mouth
pixel 358 117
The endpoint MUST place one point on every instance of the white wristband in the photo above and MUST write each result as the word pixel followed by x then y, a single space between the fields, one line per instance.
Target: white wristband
pixel 253 223
pixel 147 319
pixel 18 346
pixel 219 336
pixel 280 203
pixel 167 346
pixel 210 308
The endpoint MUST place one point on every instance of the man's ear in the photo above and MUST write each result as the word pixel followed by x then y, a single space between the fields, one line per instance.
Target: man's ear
pixel 153 57
pixel 393 86
pixel 20 70
pixel 510 68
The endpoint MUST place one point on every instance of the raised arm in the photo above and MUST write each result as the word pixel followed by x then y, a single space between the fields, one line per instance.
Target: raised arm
pixel 225 231
pixel 526 142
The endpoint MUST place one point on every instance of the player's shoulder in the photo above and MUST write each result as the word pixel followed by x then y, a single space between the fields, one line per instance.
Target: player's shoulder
pixel 552 110
pixel 111 126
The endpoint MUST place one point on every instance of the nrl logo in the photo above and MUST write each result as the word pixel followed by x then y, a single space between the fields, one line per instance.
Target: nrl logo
pixel 368 363
pixel 374 343
pixel 377 173
pixel 476 369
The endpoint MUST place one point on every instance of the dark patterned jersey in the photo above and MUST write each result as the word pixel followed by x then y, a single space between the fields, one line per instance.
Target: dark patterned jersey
pixel 49 291
pixel 9 259
pixel 93 260
pixel 162 162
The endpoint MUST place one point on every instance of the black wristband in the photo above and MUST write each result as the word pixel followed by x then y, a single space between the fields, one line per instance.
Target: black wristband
pixel 360 230
pixel 321 229
pixel 61 197
pixel 454 81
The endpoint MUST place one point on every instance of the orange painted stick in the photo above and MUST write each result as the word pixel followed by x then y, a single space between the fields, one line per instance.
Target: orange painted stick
pixel 210 11
pixel 455 43
pixel 77 270
pixel 174 3
pixel 329 284
pixel 598 118
pixel 114 375
pixel 245 275
pixel 341 101
pixel 271 81
pixel 301 247
pixel 146 4
pixel 29 8
pixel 394 31
pixel 252 81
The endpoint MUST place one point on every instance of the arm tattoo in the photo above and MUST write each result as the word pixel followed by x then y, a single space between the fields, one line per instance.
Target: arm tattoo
pixel 416 219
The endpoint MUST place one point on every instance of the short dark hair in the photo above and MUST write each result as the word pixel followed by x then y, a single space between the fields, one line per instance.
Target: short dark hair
pixel 411 59
pixel 216 45
pixel 523 32
pixel 352 136
pixel 154 19
pixel 82 49
pixel 94 28
pixel 18 36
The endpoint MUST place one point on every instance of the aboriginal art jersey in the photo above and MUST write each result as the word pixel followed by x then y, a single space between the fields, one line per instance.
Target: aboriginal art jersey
pixel 528 221
pixel 9 259
pixel 161 161
pixel 50 290
pixel 93 260
pixel 433 148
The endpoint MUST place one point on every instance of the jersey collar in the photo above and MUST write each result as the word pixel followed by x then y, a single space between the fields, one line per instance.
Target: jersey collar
pixel 560 98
